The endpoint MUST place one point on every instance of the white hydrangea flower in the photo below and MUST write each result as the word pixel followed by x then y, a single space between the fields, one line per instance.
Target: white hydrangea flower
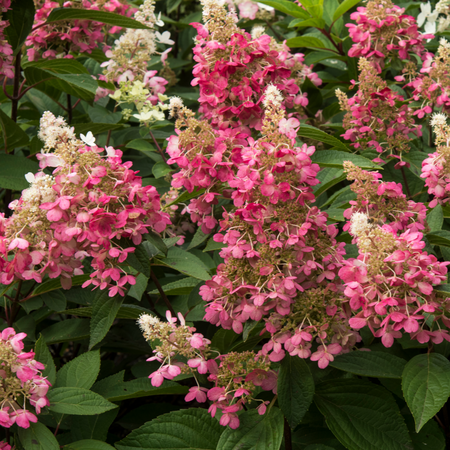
pixel 359 224
pixel 89 139
pixel 438 119
pixel 272 96
pixel 164 38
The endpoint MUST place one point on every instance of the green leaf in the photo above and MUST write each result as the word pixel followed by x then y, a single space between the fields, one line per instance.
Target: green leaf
pixel 178 287
pixel 80 372
pixel 319 135
pixel 58 14
pixel 125 312
pixel 295 389
pixel 88 444
pixel 13 136
pixel 212 245
pixel 435 218
pixel 306 42
pixel 96 128
pixel 44 356
pixel 55 300
pixel 223 340
pixel 370 364
pixel 20 16
pixel 300 23
pixel 104 311
pixel 329 184
pixel 92 427
pixel 156 241
pixel 362 415
pixel 139 259
pixel 77 401
pixel 287 7
pixel 37 437
pixel 255 432
pixel 344 7
pixel 426 386
pixel 334 158
pixel 185 196
pixel 144 147
pixel 186 263
pixel 137 291
pixel 429 437
pixel 66 330
pixel 140 387
pixel 61 66
pixel 188 429
pixel 13 169
pixel 441 237
pixel 198 238
pixel 314 7
pixel 55 283
pixel 161 169
pixel 80 85
pixel 99 114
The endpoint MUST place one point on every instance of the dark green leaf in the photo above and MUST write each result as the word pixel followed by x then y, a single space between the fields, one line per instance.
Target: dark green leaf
pixel 362 415
pixel 344 7
pixel 104 311
pixel 77 401
pixel 20 16
pixel 55 283
pixel 13 170
pixel 178 287
pixel 58 14
pixel 67 330
pixel 429 437
pixel 37 437
pixel 44 356
pixel 140 387
pixel 441 237
pixel 306 42
pixel 96 128
pixel 92 427
pixel 185 196
pixel 161 169
pixel 255 432
pixel 80 372
pixel 88 444
pixel 13 136
pixel 426 386
pixel 334 158
pixel 80 85
pixel 188 429
pixel 370 364
pixel 139 259
pixel 319 135
pixel 55 300
pixel 223 340
pixel 435 218
pixel 295 389
pixel 186 263
pixel 156 241
pixel 287 7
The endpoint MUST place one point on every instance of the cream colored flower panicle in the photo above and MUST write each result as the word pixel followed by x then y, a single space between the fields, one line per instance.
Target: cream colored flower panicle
pixel 147 323
pixel 53 129
pixel 40 190
pixel 272 96
pixel 440 128
pixel 175 104
pixel 257 31
pixel 359 224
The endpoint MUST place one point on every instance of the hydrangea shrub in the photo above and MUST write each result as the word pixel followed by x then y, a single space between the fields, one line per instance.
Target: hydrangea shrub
pixel 224 224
